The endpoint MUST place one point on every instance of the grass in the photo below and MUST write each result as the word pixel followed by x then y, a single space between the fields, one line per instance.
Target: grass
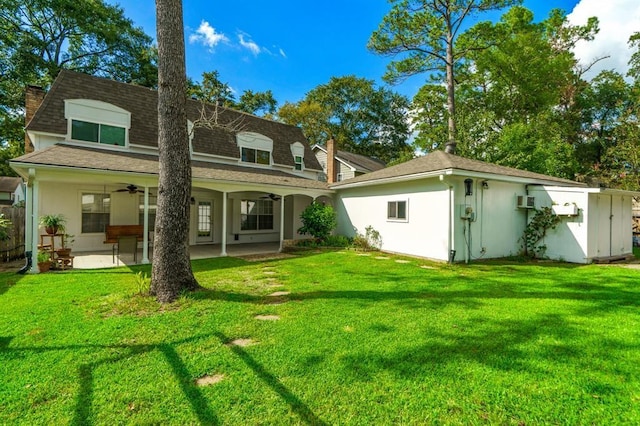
pixel 360 340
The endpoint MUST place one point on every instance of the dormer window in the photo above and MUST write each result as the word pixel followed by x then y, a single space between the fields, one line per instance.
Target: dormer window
pixel 297 150
pixel 258 156
pixel 99 133
pixel 97 122
pixel 255 148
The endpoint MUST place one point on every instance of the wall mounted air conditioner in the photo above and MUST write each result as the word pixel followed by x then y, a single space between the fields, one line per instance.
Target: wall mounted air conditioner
pixel 526 202
pixel 568 209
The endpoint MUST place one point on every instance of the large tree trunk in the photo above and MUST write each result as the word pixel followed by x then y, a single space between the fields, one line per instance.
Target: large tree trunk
pixel 171 271
pixel 451 98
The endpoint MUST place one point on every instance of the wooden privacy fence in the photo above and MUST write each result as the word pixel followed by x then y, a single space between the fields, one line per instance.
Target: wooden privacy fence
pixel 13 248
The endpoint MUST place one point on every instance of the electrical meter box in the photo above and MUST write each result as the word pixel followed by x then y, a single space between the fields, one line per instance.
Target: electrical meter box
pixel 466 211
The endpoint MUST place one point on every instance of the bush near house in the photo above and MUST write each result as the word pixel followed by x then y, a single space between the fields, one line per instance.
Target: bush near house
pixel 318 220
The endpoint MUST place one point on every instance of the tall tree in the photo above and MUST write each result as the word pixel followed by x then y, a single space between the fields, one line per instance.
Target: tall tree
pixel 258 103
pixel 40 37
pixel 212 90
pixel 424 33
pixel 171 271
pixel 361 117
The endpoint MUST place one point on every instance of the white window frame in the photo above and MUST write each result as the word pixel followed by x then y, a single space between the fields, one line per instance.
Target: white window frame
pixel 257 142
pixel 100 113
pixel 396 218
pixel 299 165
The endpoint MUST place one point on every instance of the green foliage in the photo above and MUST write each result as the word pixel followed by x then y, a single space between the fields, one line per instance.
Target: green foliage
pixel 318 220
pixel 542 221
pixel 258 103
pixel 370 240
pixel 5 226
pixel 43 256
pixel 361 118
pixel 54 221
pixel 143 283
pixel 335 241
pixel 40 37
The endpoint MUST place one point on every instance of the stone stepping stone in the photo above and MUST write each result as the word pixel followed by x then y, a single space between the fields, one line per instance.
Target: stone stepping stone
pixel 267 317
pixel 243 343
pixel 363 254
pixel 208 380
pixel 403 261
pixel 269 272
pixel 427 267
pixel 280 293
pixel 381 257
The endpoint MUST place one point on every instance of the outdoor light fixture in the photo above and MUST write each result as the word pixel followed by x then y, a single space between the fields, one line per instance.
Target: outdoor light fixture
pixel 485 184
pixel 468 187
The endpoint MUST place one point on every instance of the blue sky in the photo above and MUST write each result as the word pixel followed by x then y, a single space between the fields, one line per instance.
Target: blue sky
pixel 291 47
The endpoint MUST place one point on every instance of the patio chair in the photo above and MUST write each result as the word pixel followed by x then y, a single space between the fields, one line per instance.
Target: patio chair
pixel 126 244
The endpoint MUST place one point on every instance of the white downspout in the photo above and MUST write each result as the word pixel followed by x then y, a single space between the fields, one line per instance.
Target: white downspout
pixel 145 235
pixel 281 224
pixel 35 194
pixel 223 242
pixel 451 236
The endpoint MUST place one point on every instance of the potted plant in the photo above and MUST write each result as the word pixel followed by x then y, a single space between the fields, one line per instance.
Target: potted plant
pixel 67 242
pixel 44 261
pixel 53 223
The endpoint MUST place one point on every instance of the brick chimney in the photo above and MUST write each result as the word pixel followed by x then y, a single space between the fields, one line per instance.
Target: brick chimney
pixel 34 96
pixel 331 161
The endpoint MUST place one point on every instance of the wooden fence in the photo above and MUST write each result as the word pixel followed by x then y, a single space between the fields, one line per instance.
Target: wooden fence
pixel 13 248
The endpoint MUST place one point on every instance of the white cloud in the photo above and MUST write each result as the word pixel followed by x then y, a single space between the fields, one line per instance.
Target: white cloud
pixel 618 19
pixel 249 44
pixel 284 55
pixel 207 35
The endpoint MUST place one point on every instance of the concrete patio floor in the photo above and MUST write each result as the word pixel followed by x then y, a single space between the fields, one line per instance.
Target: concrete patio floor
pixel 104 259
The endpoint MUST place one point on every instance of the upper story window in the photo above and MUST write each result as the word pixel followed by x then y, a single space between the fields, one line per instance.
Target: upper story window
pixel 250 155
pixel 255 148
pixel 297 150
pixel 97 122
pixel 99 133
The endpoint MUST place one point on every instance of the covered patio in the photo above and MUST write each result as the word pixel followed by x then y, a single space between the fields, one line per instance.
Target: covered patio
pixel 105 259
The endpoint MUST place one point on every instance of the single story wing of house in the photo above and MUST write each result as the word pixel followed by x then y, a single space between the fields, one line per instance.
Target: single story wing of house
pixel 92 155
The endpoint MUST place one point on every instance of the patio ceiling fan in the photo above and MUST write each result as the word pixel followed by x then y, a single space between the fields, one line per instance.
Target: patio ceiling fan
pixel 131 189
pixel 272 197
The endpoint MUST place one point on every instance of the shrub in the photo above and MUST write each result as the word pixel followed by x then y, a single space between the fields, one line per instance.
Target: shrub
pixel 371 240
pixel 5 225
pixel 318 220
pixel 336 241
pixel 143 283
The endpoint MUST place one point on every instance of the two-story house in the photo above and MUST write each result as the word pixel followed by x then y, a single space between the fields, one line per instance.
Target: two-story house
pixel 92 155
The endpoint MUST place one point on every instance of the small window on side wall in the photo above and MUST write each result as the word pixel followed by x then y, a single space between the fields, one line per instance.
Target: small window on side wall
pixel 397 210
pixel 299 162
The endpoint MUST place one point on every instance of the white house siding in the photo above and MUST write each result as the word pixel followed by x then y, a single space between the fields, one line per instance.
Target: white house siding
pixel 498 224
pixel 602 228
pixel 294 206
pixel 569 241
pixel 341 168
pixel 425 233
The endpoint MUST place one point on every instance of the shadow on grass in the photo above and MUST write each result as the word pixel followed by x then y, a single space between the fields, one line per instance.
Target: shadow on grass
pixel 199 404
pixel 297 406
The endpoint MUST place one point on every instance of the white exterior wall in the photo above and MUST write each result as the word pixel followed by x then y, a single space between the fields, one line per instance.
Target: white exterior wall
pixel 570 240
pixel 498 224
pixel 424 233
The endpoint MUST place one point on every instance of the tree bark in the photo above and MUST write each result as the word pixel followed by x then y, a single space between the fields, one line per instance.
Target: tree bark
pixel 171 271
pixel 451 97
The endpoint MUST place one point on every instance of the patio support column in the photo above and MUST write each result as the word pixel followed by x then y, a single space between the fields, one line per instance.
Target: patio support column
pixel 281 224
pixel 35 195
pixel 223 242
pixel 145 234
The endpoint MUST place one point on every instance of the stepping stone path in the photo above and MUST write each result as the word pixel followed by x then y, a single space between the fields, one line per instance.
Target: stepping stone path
pixel 280 293
pixel 242 342
pixel 269 272
pixel 363 254
pixel 208 380
pixel 267 317
pixel 403 261
pixel 381 257
pixel 427 267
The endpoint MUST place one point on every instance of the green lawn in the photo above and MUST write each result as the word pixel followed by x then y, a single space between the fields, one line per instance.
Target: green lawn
pixel 360 340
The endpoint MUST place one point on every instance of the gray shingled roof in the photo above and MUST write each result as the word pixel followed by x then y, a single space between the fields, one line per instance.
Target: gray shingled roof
pixel 440 161
pixel 361 163
pixel 88 158
pixel 9 184
pixel 142 103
